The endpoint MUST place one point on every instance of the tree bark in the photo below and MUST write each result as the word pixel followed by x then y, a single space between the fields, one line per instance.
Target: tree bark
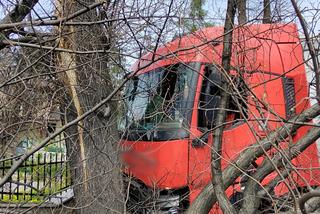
pixel 242 15
pixel 93 149
pixel 17 14
pixel 266 12
pixel 251 199
pixel 216 152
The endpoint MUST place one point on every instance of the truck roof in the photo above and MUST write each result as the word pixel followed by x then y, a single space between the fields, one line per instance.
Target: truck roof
pixel 258 47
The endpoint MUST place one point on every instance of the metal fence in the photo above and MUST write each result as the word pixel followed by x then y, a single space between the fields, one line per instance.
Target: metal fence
pixel 40 177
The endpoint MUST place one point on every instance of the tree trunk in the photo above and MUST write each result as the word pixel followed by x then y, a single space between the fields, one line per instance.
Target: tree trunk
pixel 242 15
pixel 266 12
pixel 92 145
pixel 216 152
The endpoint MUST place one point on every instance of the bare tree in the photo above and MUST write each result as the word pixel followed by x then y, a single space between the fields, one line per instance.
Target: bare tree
pixel 83 82
pixel 93 149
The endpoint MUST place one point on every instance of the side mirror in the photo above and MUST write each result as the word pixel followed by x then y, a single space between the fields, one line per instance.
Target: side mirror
pixel 200 141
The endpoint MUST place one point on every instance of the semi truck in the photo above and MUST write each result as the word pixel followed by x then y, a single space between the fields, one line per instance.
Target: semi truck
pixel 172 99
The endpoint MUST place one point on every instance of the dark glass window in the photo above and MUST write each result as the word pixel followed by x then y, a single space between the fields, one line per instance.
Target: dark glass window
pixel 210 99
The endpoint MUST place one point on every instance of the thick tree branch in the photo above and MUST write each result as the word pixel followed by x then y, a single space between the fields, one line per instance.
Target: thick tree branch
pixel 30 45
pixel 14 18
pixel 66 21
pixel 4 25
pixel 306 197
pixel 267 167
pixel 216 152
pixel 19 12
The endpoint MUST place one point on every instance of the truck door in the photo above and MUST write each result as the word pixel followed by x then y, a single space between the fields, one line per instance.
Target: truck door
pixel 207 101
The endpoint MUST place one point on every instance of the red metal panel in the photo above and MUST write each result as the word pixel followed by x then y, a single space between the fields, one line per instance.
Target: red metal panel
pixel 158 164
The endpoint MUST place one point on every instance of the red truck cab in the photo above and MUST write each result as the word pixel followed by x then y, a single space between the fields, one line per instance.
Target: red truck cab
pixel 172 98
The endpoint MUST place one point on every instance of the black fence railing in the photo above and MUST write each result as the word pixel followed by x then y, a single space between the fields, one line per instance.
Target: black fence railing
pixel 41 176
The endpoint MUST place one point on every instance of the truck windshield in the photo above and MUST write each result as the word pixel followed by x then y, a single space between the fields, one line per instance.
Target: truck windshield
pixel 160 98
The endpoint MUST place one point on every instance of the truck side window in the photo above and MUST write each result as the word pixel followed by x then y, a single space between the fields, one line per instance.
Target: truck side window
pixel 210 98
